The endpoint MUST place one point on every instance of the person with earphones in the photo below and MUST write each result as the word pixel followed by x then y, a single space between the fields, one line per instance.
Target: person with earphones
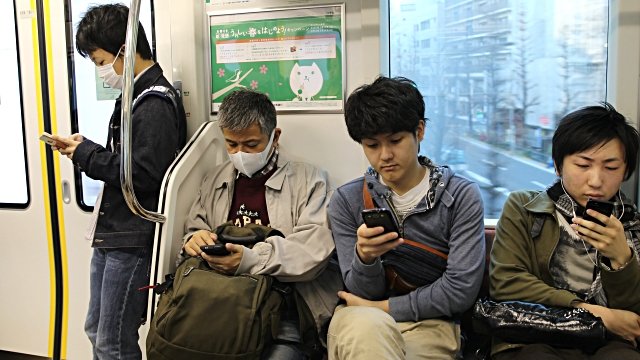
pixel 546 252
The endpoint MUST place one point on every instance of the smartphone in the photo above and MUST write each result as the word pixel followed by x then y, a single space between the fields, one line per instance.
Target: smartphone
pixel 603 207
pixel 48 138
pixel 216 250
pixel 380 217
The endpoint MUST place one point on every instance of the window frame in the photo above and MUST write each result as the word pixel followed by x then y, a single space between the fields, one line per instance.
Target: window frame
pixel 622 87
pixel 7 205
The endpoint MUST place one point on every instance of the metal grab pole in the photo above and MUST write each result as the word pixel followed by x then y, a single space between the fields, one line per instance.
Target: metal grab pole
pixel 126 176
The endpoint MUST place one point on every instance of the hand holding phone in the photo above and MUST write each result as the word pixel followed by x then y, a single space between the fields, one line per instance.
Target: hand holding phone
pixel 218 249
pixel 48 138
pixel 603 207
pixel 368 250
pixel 380 217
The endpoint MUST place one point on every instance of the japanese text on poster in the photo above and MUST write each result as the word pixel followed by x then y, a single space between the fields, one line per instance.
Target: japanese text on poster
pixel 294 56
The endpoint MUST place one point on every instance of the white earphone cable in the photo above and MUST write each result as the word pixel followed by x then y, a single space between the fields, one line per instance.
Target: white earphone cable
pixel 573 209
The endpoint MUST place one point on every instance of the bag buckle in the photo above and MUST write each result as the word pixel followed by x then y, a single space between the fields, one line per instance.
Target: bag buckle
pixel 281 288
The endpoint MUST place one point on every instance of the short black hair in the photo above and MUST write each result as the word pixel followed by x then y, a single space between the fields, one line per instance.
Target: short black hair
pixel 105 27
pixel 388 105
pixel 593 126
pixel 242 108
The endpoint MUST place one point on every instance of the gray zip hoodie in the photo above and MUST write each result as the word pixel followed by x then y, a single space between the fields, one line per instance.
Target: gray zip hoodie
pixel 449 219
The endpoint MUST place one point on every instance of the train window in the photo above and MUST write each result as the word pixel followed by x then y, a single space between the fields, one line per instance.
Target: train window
pixel 14 191
pixel 496 77
pixel 92 100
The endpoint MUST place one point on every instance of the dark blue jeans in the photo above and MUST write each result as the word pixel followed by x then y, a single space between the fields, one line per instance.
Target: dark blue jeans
pixel 286 346
pixel 116 307
pixel 288 331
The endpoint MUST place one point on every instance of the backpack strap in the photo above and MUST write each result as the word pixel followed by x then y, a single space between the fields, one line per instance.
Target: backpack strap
pixel 366 196
pixel 167 94
pixel 157 90
pixel 368 204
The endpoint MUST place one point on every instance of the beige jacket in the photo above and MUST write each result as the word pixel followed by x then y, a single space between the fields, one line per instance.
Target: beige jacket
pixel 297 195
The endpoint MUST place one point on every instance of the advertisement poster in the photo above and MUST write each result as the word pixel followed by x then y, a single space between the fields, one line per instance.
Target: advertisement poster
pixel 294 56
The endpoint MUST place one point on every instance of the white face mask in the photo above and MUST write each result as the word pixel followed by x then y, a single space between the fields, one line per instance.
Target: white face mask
pixel 109 75
pixel 249 163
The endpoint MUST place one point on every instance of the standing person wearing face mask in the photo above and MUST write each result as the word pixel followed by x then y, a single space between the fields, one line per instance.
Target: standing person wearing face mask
pixel 258 185
pixel 546 252
pixel 121 240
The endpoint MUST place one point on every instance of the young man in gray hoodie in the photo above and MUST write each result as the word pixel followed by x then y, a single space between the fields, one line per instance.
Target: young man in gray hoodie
pixel 406 288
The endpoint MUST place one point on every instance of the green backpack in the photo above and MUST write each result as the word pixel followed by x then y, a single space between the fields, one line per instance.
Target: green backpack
pixel 208 315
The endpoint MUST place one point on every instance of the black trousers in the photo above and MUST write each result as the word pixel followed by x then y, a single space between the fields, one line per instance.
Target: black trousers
pixel 618 350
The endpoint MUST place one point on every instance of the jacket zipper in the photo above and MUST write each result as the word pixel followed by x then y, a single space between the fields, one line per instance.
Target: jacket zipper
pixel 387 199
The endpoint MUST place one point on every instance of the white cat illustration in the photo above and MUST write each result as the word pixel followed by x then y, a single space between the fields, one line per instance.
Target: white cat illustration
pixel 305 81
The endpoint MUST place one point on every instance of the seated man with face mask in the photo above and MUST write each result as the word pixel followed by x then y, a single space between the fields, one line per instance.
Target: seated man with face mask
pixel 260 186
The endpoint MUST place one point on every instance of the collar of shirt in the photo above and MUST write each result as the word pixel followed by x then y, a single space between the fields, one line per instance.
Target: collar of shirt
pixel 141 72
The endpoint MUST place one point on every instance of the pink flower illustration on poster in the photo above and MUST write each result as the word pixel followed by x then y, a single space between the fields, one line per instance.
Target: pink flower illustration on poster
pixel 263 69
pixel 220 72
pixel 254 84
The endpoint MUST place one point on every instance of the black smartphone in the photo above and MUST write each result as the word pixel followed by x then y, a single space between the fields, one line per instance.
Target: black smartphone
pixel 216 250
pixel 603 207
pixel 380 217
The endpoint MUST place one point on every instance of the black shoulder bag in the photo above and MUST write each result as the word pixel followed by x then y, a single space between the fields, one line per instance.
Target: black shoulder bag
pixel 529 323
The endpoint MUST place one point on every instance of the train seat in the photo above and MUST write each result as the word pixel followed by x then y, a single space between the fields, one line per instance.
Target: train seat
pixel 204 151
pixel 179 189
pixel 476 346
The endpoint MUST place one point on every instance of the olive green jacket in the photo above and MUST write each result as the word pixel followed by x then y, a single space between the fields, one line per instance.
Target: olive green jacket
pixel 521 254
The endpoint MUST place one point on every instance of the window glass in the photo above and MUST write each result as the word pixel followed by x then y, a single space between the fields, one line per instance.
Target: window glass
pixel 94 100
pixel 14 190
pixel 497 75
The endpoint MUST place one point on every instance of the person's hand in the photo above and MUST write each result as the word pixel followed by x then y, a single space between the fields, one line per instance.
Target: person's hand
pixel 609 240
pixel 199 238
pixel 71 143
pixel 373 242
pixel 354 300
pixel 623 323
pixel 227 264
